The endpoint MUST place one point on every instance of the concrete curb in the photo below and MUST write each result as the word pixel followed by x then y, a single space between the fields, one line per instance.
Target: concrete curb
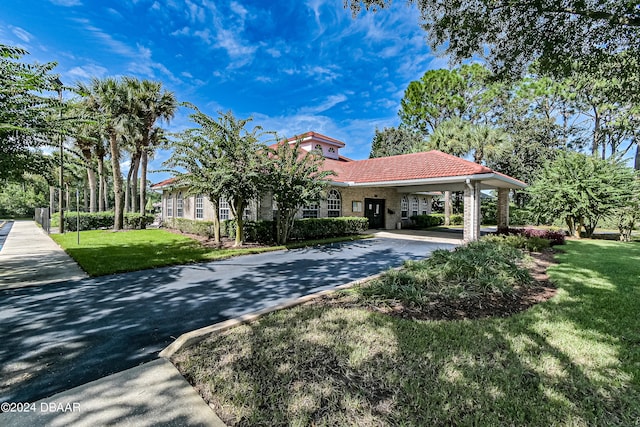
pixel 191 338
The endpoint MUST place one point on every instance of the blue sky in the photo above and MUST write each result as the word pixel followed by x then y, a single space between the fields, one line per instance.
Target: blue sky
pixel 295 66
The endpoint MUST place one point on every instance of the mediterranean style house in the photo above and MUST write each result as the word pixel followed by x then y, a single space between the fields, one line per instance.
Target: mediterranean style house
pixel 386 190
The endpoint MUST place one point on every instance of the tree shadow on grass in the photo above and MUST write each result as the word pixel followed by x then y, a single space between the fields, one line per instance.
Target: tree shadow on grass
pixel 331 366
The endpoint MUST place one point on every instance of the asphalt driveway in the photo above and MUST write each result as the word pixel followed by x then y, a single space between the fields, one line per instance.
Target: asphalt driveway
pixel 66 334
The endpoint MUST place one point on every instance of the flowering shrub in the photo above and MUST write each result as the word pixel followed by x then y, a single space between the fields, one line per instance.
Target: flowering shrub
pixel 555 237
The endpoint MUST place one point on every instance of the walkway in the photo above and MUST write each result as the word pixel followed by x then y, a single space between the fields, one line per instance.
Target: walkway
pixel 66 334
pixel 29 257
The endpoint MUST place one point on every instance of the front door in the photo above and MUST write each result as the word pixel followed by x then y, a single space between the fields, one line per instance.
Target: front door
pixel 374 211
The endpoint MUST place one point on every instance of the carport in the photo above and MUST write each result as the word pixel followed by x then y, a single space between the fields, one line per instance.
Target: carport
pixel 390 178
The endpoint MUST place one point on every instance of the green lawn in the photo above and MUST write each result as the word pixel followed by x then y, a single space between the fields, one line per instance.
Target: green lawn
pixel 106 252
pixel 573 361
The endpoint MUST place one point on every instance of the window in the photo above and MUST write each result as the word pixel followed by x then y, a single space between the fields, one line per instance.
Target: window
pixel 334 204
pixel 310 211
pixel 318 147
pixel 414 206
pixel 179 206
pixel 425 206
pixel 224 209
pixel 332 150
pixel 404 207
pixel 199 207
pixel 170 205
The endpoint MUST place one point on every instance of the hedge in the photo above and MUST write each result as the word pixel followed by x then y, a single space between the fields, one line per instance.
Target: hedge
pixel 264 231
pixel 434 220
pixel 97 220
pixel 319 228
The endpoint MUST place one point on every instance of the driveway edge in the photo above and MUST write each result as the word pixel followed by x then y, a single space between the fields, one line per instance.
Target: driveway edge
pixel 191 338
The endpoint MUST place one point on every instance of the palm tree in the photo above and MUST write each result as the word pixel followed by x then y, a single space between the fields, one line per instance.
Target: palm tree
pixel 108 98
pixel 150 104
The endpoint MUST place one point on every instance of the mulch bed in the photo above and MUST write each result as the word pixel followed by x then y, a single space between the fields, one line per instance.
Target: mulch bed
pixel 469 308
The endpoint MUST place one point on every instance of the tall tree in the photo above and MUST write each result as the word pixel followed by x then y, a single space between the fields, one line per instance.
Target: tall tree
pixel 28 117
pixel 393 141
pixel 513 34
pixel 581 190
pixel 109 98
pixel 296 178
pixel 245 165
pixel 151 103
pixel 199 152
pixel 435 98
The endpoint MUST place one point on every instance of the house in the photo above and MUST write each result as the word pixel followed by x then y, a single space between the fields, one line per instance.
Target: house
pixel 386 190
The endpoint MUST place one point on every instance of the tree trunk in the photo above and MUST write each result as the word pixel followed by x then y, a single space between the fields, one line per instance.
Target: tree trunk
pixel 134 184
pixel 636 163
pixel 101 184
pixel 117 182
pixel 216 217
pixel 237 207
pixel 143 182
pixel 91 177
pixel 52 200
pixel 596 132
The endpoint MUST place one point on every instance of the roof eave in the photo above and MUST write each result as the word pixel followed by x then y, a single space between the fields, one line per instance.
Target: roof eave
pixel 509 182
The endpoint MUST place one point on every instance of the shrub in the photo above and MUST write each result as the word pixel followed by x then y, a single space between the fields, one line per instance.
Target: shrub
pixel 183 225
pixel 478 269
pixel 135 221
pixel 434 220
pixel 319 228
pixel 264 231
pixel 555 237
pixel 456 219
pixel 97 220
pixel 88 221
pixel 425 221
pixel 254 231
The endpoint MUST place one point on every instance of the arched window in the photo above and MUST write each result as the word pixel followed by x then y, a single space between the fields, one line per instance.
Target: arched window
pixel 179 206
pixel 224 209
pixel 404 207
pixel 332 150
pixel 199 206
pixel 414 206
pixel 318 147
pixel 334 204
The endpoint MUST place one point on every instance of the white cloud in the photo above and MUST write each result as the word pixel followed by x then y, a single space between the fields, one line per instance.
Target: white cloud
pixel 87 72
pixel 66 3
pixel 21 33
pixel 275 53
pixel 327 104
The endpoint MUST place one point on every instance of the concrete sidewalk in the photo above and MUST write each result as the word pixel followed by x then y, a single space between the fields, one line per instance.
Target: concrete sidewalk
pixel 29 257
pixel 153 394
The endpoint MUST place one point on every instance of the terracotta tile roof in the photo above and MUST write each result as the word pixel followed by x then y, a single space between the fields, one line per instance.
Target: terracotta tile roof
pixel 405 167
pixel 430 164
pixel 163 183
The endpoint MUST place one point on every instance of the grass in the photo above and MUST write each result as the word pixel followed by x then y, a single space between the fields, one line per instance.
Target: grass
pixel 574 360
pixel 104 252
